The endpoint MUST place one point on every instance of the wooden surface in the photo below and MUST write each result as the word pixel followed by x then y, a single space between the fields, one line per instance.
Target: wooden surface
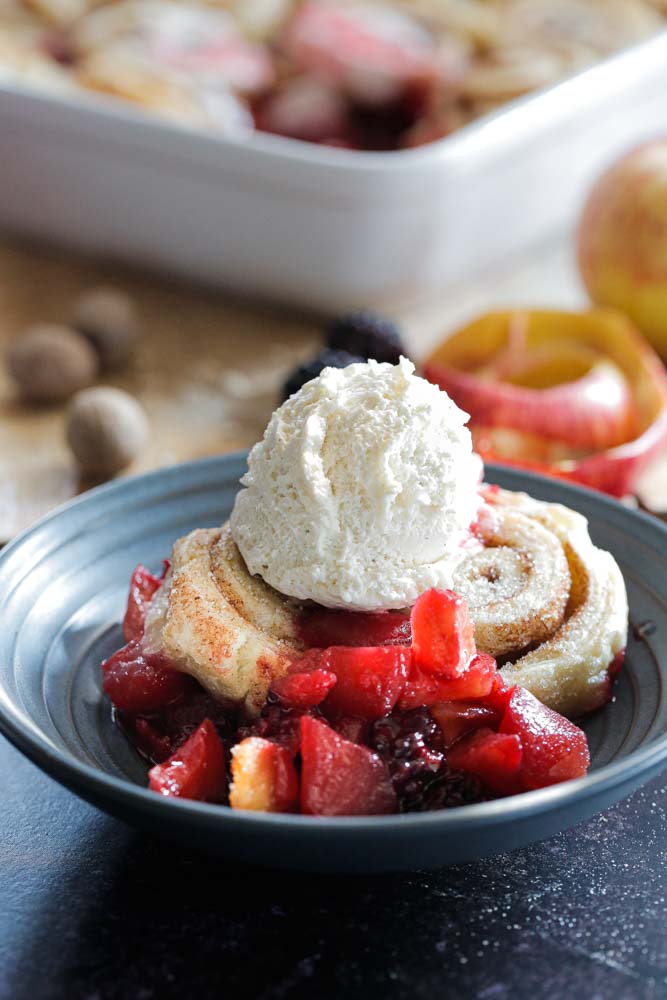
pixel 207 372
pixel 210 366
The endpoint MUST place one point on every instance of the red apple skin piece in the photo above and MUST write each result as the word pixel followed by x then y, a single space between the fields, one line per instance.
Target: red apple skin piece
pixel 595 411
pixel 420 689
pixel 369 680
pixel 554 749
pixel 141 683
pixel 143 586
pixel 427 689
pixel 456 718
pixel 339 778
pixel 614 472
pixel 353 54
pixel 476 682
pixel 148 740
pixel 495 758
pixel 354 730
pixel 304 690
pixel 195 771
pixel 499 695
pixel 286 788
pixel 310 659
pixel 325 627
pixel 305 108
pixel 264 778
pixel 443 638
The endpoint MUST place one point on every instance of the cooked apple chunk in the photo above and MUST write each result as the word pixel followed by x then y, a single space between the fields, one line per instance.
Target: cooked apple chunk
pixel 264 778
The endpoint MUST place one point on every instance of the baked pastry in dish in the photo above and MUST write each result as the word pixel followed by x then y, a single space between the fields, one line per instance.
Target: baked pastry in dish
pixel 360 75
pixel 546 602
pixel 373 631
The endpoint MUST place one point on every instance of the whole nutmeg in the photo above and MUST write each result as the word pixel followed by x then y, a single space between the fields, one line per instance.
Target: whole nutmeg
pixel 50 362
pixel 108 318
pixel 106 430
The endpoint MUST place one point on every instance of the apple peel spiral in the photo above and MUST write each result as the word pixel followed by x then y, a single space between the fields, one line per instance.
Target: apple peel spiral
pixel 567 665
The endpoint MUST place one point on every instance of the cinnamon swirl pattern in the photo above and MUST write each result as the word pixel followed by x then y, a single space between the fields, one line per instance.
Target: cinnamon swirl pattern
pixel 216 622
pixel 547 601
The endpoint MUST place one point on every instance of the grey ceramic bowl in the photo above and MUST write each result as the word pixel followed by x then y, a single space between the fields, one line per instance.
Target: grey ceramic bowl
pixel 63 585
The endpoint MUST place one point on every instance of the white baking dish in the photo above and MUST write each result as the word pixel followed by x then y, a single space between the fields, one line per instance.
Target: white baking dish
pixel 320 227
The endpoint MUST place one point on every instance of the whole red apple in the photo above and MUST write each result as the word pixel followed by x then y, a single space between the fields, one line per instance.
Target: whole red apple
pixel 622 240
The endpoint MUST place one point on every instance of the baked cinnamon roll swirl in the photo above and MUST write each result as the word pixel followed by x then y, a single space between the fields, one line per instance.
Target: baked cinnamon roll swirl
pixel 216 622
pixel 517 586
pixel 539 570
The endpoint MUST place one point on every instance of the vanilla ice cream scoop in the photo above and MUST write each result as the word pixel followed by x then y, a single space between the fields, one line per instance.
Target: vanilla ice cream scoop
pixel 362 490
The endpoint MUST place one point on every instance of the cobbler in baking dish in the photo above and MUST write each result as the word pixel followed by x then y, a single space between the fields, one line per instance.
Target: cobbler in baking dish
pixel 374 630
pixel 360 75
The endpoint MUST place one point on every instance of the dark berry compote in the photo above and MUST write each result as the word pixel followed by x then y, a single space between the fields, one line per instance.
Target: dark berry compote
pixel 382 713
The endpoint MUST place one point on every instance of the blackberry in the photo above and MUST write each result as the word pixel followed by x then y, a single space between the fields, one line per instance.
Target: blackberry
pixel 276 723
pixel 449 789
pixel 412 747
pixel 367 334
pixel 311 369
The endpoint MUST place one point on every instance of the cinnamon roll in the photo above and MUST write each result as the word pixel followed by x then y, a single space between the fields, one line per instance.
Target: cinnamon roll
pixel 216 622
pixel 575 638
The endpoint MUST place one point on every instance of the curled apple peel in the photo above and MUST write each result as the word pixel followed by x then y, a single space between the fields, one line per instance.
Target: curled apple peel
pixel 576 395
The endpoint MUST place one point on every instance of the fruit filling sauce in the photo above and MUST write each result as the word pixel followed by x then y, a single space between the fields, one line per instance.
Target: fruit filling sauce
pixel 382 713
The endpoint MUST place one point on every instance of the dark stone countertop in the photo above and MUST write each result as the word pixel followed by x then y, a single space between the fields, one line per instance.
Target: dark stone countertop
pixel 91 909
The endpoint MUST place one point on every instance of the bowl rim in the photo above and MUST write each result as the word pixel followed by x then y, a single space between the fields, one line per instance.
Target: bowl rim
pixel 82 776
